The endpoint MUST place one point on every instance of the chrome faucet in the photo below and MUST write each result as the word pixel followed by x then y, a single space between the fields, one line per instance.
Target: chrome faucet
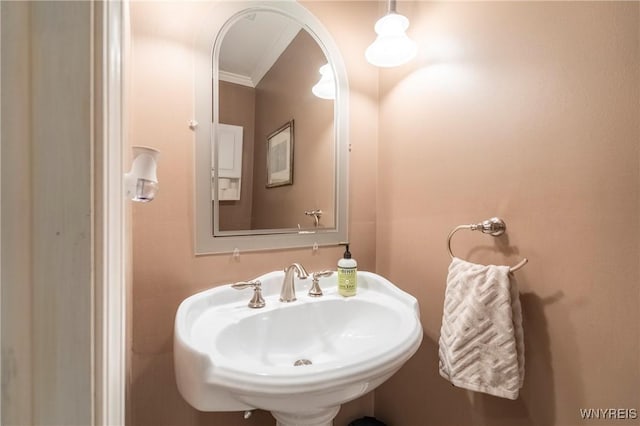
pixel 288 292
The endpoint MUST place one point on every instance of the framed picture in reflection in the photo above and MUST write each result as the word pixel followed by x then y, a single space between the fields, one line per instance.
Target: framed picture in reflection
pixel 280 156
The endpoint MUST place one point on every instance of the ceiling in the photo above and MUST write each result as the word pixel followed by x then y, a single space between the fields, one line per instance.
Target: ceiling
pixel 253 44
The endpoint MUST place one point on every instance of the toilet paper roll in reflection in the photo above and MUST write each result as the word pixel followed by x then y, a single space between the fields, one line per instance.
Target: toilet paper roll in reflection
pixel 141 183
pixel 223 183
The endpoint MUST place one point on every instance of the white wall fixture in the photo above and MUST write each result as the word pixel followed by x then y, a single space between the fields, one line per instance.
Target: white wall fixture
pixel 141 183
pixel 325 88
pixel 392 46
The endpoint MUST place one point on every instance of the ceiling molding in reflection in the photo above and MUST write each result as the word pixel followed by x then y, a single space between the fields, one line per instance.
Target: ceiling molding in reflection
pixel 230 77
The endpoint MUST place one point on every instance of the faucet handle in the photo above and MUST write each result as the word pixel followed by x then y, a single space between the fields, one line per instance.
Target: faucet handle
pixel 256 301
pixel 246 284
pixel 315 290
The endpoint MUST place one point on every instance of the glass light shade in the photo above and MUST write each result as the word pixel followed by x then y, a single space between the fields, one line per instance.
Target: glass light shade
pixel 392 47
pixel 326 87
pixel 146 191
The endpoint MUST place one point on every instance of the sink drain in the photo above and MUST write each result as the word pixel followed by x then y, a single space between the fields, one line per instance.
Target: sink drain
pixel 302 362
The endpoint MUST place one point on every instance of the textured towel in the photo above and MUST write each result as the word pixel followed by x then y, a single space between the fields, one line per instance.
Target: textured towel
pixel 481 340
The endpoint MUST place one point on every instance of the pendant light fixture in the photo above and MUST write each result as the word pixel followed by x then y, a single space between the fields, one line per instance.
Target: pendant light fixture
pixel 326 87
pixel 392 47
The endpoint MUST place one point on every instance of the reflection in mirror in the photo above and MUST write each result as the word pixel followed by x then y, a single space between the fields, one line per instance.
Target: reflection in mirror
pixel 270 171
pixel 280 153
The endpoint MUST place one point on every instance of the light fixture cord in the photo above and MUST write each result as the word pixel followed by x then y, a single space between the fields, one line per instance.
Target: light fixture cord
pixel 392 6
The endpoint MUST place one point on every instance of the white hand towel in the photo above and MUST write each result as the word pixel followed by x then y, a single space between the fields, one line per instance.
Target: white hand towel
pixel 481 340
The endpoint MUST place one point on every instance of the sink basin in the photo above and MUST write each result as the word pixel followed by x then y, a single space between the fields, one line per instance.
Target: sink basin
pixel 299 360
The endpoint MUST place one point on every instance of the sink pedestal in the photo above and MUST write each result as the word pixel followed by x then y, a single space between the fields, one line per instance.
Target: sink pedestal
pixel 313 418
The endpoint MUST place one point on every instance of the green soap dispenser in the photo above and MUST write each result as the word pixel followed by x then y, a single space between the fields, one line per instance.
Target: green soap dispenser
pixel 347 274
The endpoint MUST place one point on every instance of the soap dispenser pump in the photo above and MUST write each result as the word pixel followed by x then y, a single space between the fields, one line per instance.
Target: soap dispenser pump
pixel 347 274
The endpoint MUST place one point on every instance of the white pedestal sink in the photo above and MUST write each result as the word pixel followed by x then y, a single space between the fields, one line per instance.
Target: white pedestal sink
pixel 229 357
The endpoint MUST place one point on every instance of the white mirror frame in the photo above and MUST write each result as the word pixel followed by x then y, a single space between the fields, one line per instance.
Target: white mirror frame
pixel 215 26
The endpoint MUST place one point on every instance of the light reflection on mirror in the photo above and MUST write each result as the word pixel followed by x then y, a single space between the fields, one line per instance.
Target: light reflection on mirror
pixel 268 65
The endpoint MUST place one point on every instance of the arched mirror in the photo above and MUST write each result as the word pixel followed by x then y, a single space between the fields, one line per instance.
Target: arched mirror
pixel 271 135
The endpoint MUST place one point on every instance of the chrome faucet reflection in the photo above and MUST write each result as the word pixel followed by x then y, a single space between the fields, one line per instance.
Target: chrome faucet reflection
pixel 288 292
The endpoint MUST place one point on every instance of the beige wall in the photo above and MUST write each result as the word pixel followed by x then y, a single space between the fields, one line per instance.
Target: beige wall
pixel 284 94
pixel 238 107
pixel 528 111
pixel 165 270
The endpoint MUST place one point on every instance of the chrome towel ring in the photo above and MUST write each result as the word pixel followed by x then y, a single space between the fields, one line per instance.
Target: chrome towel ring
pixel 494 226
